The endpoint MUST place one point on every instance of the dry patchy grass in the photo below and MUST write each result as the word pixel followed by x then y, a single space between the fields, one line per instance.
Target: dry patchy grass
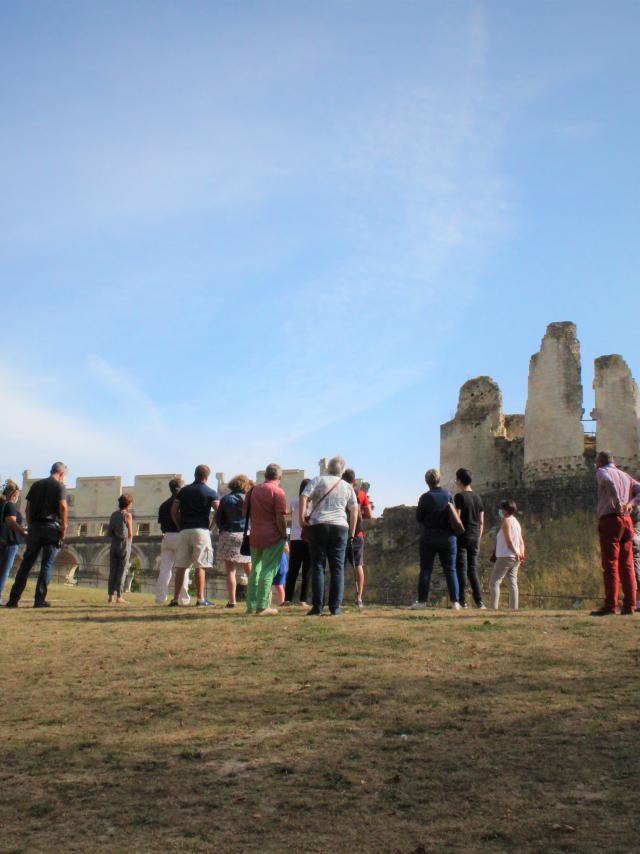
pixel 157 730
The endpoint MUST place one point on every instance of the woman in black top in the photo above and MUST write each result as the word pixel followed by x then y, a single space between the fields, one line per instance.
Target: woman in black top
pixel 12 534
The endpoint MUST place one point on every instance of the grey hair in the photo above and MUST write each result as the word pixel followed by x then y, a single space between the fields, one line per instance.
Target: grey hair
pixel 272 472
pixel 336 466
pixel 432 477
pixel 59 468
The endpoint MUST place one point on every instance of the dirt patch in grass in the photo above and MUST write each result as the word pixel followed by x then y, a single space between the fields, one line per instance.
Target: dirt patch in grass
pixel 151 730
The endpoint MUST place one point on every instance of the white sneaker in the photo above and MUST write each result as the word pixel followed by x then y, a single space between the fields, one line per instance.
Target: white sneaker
pixel 455 606
pixel 418 606
pixel 267 612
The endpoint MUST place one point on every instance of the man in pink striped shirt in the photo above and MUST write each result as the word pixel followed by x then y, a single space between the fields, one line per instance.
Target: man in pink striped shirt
pixel 617 493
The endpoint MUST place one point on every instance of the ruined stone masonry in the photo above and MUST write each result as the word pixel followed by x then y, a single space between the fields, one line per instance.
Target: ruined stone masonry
pixel 546 457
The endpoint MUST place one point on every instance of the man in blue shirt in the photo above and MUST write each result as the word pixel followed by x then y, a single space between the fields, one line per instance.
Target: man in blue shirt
pixel 192 514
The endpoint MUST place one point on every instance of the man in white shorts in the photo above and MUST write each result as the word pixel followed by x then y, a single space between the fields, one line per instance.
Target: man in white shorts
pixel 192 514
pixel 168 548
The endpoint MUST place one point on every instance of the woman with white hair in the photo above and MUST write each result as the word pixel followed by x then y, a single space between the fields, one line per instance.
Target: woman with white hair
pixel 328 526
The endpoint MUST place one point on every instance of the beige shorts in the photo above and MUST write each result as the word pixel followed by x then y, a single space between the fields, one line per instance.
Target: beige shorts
pixel 194 547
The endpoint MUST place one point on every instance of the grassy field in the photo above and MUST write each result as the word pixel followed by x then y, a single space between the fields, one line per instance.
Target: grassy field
pixel 153 730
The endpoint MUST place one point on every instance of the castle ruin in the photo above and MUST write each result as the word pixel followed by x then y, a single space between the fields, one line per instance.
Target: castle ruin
pixel 552 444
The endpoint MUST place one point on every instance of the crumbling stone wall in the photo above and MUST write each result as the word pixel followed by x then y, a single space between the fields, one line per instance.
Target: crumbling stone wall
pixel 617 411
pixel 554 437
pixel 481 438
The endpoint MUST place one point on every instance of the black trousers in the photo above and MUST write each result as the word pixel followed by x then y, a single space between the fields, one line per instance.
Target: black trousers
pixel 299 558
pixel 43 537
pixel 467 568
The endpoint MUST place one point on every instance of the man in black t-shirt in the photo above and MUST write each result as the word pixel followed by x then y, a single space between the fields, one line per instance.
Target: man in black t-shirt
pixel 46 516
pixel 471 510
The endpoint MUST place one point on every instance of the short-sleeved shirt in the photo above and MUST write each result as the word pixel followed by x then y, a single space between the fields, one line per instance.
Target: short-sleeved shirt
pixel 330 509
pixel 432 511
pixel 165 519
pixel 268 502
pixel 44 499
pixel 10 508
pixel 229 516
pixel 195 502
pixel 363 502
pixel 470 507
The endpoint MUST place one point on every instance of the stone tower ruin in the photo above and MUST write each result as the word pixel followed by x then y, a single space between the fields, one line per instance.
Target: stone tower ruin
pixel 553 432
pixel 481 432
pixel 617 411
pixel 547 445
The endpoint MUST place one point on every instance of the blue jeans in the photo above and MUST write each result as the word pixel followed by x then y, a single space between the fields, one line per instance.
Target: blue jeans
pixel 42 537
pixel 7 557
pixel 444 546
pixel 327 542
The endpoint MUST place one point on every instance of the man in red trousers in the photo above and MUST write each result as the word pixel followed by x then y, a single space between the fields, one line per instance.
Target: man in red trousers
pixel 617 493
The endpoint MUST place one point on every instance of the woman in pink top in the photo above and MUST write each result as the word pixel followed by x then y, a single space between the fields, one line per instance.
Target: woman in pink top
pixel 266 507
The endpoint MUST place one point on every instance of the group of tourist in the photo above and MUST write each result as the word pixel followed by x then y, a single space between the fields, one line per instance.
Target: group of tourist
pixel 451 530
pixel 326 529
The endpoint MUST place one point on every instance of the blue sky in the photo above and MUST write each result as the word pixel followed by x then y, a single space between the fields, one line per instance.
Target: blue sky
pixel 246 232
